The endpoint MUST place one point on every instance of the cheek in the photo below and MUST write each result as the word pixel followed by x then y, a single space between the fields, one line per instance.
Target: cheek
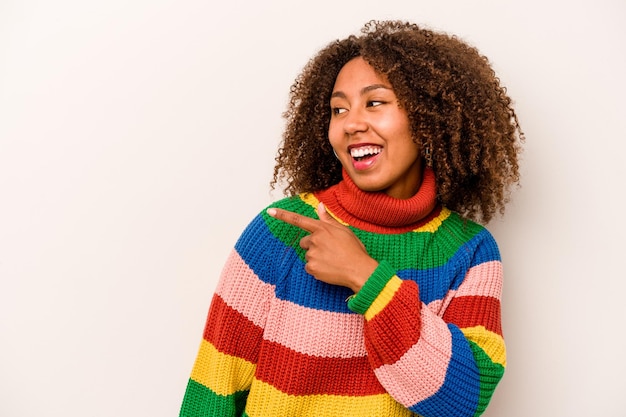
pixel 400 125
pixel 393 124
pixel 404 135
pixel 334 134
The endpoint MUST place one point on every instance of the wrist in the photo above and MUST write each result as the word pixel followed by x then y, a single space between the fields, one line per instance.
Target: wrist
pixel 362 300
pixel 363 271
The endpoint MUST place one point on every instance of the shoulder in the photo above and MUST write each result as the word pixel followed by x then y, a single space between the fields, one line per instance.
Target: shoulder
pixel 263 228
pixel 471 238
pixel 304 204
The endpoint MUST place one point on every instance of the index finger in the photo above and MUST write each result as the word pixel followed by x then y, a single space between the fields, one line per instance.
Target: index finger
pixel 295 219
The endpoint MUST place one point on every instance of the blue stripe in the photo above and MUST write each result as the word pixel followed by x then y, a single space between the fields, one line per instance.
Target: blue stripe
pixel 278 264
pixel 303 289
pixel 434 283
pixel 486 250
pixel 459 394
pixel 429 281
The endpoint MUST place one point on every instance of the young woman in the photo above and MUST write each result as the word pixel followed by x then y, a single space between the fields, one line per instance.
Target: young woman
pixel 372 290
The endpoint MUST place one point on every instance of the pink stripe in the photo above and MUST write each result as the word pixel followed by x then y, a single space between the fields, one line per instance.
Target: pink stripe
pixel 421 371
pixel 242 290
pixel 315 332
pixel 483 280
pixel 305 330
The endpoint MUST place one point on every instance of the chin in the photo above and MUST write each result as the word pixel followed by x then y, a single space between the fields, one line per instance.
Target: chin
pixel 370 188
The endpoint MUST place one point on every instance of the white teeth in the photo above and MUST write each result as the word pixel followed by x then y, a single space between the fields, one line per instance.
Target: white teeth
pixel 365 150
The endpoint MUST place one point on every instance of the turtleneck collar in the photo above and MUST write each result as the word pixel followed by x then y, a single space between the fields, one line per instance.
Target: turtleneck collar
pixel 378 212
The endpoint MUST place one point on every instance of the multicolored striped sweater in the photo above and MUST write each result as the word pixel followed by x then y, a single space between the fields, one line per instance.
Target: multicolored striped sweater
pixel 421 338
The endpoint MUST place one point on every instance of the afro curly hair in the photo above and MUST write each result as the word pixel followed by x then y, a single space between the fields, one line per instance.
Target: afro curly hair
pixel 460 116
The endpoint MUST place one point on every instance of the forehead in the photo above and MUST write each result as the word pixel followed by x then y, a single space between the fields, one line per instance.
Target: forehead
pixel 357 73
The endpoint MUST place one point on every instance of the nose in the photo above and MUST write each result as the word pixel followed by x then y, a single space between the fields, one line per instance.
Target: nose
pixel 355 121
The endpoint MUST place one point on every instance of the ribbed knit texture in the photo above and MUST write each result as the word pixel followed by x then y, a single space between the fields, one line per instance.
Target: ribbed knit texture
pixel 422 337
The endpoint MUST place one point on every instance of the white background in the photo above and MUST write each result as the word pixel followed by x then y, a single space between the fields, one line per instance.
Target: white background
pixel 137 139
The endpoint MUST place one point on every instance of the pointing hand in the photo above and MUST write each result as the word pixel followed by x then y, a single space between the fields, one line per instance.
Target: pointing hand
pixel 333 253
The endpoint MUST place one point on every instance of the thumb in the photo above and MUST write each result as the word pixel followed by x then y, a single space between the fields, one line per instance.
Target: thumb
pixel 324 215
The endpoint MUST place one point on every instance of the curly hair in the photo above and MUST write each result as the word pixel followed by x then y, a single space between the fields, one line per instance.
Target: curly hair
pixel 459 114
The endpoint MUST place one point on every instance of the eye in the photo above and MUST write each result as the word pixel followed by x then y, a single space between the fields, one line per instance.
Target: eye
pixel 374 103
pixel 337 110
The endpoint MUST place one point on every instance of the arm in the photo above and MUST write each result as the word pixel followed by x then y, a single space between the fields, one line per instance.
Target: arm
pixel 226 361
pixel 442 359
pixel 433 359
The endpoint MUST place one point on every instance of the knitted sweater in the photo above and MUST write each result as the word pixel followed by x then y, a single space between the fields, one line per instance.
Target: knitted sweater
pixel 422 337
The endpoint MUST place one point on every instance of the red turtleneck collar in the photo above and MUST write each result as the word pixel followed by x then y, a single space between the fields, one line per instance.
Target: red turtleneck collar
pixel 378 212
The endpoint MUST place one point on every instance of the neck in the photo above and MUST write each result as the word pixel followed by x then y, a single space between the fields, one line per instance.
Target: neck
pixel 377 211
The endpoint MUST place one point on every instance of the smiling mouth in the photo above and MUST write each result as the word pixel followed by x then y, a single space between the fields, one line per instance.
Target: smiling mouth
pixel 365 152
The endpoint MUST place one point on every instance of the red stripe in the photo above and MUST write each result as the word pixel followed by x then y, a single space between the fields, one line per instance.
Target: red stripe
pixel 470 311
pixel 393 331
pixel 298 374
pixel 231 332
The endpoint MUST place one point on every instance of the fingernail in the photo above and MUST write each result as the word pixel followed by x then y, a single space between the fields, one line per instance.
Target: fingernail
pixel 271 212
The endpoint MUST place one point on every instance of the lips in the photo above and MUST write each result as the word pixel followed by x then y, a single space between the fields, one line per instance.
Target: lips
pixel 364 156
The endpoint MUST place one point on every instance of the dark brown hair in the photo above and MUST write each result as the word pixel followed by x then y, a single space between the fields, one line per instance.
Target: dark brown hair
pixel 460 116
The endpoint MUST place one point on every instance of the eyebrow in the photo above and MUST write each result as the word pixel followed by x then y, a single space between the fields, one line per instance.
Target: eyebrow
pixel 364 90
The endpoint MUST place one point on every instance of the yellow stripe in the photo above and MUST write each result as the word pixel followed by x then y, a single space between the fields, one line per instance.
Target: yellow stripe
pixel 383 298
pixel 435 223
pixel 223 374
pixel 492 343
pixel 264 398
pixel 431 226
pixel 312 201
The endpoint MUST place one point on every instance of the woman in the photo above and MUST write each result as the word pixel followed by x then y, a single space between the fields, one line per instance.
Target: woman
pixel 372 290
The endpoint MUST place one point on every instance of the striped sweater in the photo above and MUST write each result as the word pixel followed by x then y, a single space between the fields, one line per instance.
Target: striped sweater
pixel 422 337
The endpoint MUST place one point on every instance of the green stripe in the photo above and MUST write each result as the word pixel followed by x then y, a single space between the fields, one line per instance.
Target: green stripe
pixel 362 301
pixel 435 249
pixel 290 235
pixel 490 374
pixel 202 401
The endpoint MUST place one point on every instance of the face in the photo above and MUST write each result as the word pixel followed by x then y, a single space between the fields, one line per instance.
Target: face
pixel 371 134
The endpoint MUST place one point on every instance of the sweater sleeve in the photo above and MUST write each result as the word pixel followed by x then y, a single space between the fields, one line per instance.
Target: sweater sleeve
pixel 444 358
pixel 224 367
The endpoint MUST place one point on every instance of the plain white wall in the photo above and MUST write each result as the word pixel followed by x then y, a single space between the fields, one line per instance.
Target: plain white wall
pixel 137 140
